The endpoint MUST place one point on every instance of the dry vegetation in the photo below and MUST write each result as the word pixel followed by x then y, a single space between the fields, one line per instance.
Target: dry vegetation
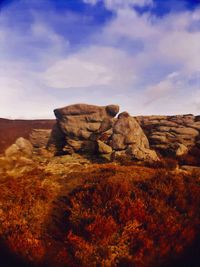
pixel 106 215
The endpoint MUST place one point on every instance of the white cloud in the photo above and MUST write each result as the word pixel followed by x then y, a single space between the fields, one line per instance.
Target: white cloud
pixel 182 48
pixel 163 88
pixel 74 72
pixel 176 93
pixel 95 66
pixel 120 4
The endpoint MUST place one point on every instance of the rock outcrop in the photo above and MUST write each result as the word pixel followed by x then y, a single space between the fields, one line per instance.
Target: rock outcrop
pixel 171 134
pixel 96 130
pixel 81 125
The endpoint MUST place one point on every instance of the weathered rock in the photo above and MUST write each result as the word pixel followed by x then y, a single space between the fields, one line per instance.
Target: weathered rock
pixel 126 130
pixel 187 131
pixel 191 169
pixel 104 148
pixel 142 153
pixel 128 136
pixel 86 146
pixel 21 148
pixel 106 125
pixel 165 132
pixel 85 109
pixel 39 138
pixel 117 142
pixel 83 122
pixel 57 140
pixel 181 150
pixel 91 129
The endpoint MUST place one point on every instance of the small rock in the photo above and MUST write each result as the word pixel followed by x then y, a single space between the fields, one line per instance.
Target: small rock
pixel 182 150
pixel 21 148
pixel 104 148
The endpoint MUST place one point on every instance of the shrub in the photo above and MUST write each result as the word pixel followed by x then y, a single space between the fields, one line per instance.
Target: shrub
pixel 135 223
pixel 107 215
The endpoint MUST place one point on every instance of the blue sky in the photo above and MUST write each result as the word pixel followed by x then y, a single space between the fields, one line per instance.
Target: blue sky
pixel 141 54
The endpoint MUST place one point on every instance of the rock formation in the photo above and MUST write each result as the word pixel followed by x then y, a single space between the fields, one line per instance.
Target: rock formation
pixel 129 137
pixel 81 123
pixel 171 134
pixel 94 129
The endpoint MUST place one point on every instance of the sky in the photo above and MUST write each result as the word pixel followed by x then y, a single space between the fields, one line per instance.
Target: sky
pixel 143 55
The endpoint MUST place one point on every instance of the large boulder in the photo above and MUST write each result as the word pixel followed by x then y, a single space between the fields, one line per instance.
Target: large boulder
pixel 129 136
pixel 126 131
pixel 81 125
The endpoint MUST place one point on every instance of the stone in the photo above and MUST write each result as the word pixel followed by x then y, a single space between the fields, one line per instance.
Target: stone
pixel 85 109
pixel 164 133
pixel 75 144
pixel 117 142
pixel 112 110
pixel 181 150
pixel 142 154
pixel 126 130
pixel 56 140
pixel 39 138
pixel 106 125
pixel 12 151
pixel 82 122
pixel 21 148
pixel 192 169
pixel 158 139
pixel 185 131
pixel 90 129
pixel 103 148
pixel 80 146
pixel 128 136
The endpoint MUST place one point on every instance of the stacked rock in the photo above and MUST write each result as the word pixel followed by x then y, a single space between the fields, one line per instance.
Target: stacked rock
pixel 82 124
pixel 171 134
pixel 94 129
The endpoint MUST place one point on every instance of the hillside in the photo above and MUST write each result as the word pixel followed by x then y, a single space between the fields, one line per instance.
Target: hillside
pixel 94 188
pixel 10 130
pixel 69 212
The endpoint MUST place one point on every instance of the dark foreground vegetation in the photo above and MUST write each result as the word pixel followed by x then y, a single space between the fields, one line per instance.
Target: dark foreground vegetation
pixel 107 215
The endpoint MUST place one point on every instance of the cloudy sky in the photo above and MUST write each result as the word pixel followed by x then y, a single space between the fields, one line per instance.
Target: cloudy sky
pixel 141 54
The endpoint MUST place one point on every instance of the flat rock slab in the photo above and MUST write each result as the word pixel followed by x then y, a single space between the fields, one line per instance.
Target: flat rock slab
pixel 190 168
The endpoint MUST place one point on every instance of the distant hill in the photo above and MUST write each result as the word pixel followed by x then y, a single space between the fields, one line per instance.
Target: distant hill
pixel 10 130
